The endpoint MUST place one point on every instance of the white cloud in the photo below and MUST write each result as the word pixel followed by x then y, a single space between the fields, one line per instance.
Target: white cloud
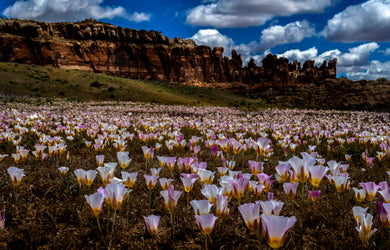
pixel 369 21
pixel 206 15
pixel 358 56
pixel 387 52
pixel 68 10
pixel 372 71
pixel 245 13
pixel 290 33
pixel 212 38
pixel 301 56
pixel 355 63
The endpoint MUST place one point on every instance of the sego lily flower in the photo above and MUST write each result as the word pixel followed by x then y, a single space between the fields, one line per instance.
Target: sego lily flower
pixel 210 191
pixel 129 178
pixel 89 177
pixel 314 194
pixel 251 214
pixel 188 181
pixel 316 173
pixel 290 189
pixel 221 206
pixel 16 175
pixel 385 194
pixel 206 223
pixel 271 207
pixel 151 181
pixel 171 197
pixel 63 170
pixel 95 202
pixel 371 189
pixel 80 175
pixel 238 187
pixel 116 193
pixel 364 228
pixel 276 229
pixel 165 183
pixel 360 194
pixel 201 207
pixel 152 222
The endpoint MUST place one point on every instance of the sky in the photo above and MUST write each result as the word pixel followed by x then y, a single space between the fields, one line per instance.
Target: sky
pixel 355 32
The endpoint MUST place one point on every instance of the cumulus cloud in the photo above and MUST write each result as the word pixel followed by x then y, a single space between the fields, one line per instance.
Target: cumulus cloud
pixel 68 10
pixel 290 33
pixel 374 70
pixel 354 64
pixel 245 13
pixel 369 21
pixel 214 38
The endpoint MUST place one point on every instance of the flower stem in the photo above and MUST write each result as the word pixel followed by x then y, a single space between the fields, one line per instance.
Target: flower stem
pixel 112 230
pixel 100 230
pixel 150 199
pixel 205 242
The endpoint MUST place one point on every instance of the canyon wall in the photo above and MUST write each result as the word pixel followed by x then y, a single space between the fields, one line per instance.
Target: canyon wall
pixel 103 48
pixel 98 47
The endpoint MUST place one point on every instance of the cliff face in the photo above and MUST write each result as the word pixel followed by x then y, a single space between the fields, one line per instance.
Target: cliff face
pixel 103 48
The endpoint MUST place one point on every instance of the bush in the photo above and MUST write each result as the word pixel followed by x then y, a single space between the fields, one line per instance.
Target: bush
pixel 95 84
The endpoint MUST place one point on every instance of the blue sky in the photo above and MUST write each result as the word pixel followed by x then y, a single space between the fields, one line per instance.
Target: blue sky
pixel 356 32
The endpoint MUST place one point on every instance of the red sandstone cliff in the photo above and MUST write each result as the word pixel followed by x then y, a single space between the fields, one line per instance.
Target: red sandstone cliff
pixel 103 48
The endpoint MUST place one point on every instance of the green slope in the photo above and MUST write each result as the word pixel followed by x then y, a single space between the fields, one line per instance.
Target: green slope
pixel 32 80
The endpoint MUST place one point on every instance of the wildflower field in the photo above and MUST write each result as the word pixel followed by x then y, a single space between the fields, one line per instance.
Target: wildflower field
pixel 120 175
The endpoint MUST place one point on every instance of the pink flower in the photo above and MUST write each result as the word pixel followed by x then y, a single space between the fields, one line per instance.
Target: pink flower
pixel 16 175
pixel 201 207
pixel 221 206
pixel 255 167
pixel 371 189
pixel 116 193
pixel 238 186
pixel 314 194
pixel 290 189
pixel 251 214
pixel 276 228
pixel 171 197
pixel 206 223
pixel 95 202
pixel 151 181
pixel 152 222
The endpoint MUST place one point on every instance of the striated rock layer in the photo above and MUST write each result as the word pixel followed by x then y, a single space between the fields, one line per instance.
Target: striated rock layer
pixel 99 47
pixel 103 48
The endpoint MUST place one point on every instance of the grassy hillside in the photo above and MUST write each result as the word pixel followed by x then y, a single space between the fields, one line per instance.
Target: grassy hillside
pixel 31 80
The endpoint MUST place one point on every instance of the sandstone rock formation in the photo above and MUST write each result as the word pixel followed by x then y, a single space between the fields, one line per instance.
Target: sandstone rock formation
pixel 103 48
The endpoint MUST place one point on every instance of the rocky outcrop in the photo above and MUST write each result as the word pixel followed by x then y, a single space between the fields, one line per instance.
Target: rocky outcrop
pixel 103 48
pixel 340 93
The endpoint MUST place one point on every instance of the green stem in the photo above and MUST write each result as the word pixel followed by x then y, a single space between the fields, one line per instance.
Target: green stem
pixel 112 230
pixel 100 230
pixel 188 198
pixel 173 235
pixel 239 201
pixel 98 223
pixel 150 199
pixel 205 242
